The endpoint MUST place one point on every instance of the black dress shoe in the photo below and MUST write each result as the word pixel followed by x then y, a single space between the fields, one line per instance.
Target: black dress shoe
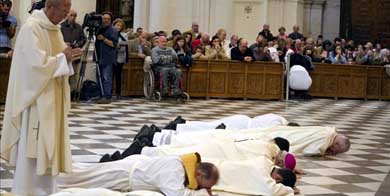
pixel 293 124
pixel 221 126
pixel 144 132
pixel 179 120
pixel 116 156
pixel 105 158
pixel 134 148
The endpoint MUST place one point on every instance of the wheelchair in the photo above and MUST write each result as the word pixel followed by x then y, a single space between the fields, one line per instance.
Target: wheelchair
pixel 153 87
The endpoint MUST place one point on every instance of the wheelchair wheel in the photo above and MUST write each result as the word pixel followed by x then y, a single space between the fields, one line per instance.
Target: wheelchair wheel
pixel 183 98
pixel 156 96
pixel 148 84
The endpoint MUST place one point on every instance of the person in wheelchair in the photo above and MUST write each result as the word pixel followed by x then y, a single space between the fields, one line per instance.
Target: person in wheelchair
pixel 164 65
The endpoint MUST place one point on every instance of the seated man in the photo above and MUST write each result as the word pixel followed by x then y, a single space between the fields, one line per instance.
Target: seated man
pixel 242 52
pixel 171 175
pixel 164 61
pixel 141 48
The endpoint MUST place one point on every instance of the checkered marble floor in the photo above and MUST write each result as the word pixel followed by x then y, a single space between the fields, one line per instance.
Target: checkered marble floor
pixel 364 170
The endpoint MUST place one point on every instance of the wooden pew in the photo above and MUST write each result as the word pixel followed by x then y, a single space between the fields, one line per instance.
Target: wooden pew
pixel 5 67
pixel 339 81
pixel 378 83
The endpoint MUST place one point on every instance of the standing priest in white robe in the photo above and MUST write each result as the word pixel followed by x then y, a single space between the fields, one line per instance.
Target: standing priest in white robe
pixel 35 137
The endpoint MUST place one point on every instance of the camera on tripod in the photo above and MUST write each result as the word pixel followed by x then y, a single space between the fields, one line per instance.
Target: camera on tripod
pixel 93 22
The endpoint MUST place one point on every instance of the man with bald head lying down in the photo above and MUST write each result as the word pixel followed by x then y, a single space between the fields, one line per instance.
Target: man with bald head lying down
pixel 183 175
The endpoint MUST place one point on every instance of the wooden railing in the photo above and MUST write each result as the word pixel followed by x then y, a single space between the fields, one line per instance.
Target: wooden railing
pixel 257 80
pixel 223 79
pixel 5 65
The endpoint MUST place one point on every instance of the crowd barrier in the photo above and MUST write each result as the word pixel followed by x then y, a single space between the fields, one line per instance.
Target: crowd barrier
pixel 256 80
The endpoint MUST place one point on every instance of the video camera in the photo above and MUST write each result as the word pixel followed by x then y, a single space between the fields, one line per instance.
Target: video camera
pixel 4 23
pixel 92 22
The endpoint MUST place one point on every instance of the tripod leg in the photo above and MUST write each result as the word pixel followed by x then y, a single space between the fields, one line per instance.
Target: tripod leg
pixel 99 75
pixel 82 70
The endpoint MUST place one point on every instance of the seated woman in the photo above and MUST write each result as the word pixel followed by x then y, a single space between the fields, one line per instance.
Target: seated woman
pixel 338 56
pixel 183 52
pixel 262 53
pixel 199 54
pixel 215 51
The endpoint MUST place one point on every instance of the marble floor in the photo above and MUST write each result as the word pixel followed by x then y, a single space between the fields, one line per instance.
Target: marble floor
pixel 364 170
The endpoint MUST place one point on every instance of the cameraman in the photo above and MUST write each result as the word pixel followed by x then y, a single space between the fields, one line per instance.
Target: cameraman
pixel 106 41
pixel 7 27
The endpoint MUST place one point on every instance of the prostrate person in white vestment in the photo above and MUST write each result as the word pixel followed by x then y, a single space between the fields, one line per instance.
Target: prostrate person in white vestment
pixel 246 167
pixel 236 122
pixel 306 140
pixel 171 175
pixel 226 148
pixel 35 137
pixel 103 192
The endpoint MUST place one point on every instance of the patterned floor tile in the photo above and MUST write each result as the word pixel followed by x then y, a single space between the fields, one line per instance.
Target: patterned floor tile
pixel 99 129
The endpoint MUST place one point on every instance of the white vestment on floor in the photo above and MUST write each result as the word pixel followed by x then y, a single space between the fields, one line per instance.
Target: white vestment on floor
pixel 307 140
pixel 35 137
pixel 103 192
pixel 236 122
pixel 137 172
pixel 248 177
pixel 222 148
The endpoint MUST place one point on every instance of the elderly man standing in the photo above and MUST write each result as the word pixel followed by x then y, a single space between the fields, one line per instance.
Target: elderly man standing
pixel 194 31
pixel 74 35
pixel 35 136
pixel 295 34
pixel 164 60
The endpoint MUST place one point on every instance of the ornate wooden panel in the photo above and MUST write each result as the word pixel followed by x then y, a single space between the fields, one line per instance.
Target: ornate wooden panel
pixel 347 81
pixel 366 20
pixel 5 66
pixel 218 78
pixel 133 77
pixel 378 83
pixel 197 79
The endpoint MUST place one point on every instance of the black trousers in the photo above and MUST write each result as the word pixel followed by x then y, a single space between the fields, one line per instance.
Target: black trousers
pixel 118 67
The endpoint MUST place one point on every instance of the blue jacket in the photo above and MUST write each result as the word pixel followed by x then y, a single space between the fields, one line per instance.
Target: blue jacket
pixel 107 54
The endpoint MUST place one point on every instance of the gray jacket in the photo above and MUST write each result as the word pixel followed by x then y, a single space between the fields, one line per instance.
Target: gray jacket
pixel 165 57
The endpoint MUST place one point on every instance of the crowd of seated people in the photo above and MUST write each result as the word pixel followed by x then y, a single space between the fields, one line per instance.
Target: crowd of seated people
pixel 270 47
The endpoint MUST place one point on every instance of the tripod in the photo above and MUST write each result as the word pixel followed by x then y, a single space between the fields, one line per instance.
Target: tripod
pixel 84 64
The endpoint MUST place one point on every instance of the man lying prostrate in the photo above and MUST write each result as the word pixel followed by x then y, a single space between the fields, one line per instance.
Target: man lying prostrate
pixel 307 140
pixel 257 176
pixel 229 149
pixel 221 147
pixel 103 192
pixel 236 122
pixel 171 175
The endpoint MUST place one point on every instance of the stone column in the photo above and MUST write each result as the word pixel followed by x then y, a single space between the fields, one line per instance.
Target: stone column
pixel 312 23
pixel 331 19
pixel 141 14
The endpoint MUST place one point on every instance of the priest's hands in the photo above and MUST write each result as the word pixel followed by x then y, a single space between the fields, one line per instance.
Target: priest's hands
pixel 72 54
pixel 299 171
